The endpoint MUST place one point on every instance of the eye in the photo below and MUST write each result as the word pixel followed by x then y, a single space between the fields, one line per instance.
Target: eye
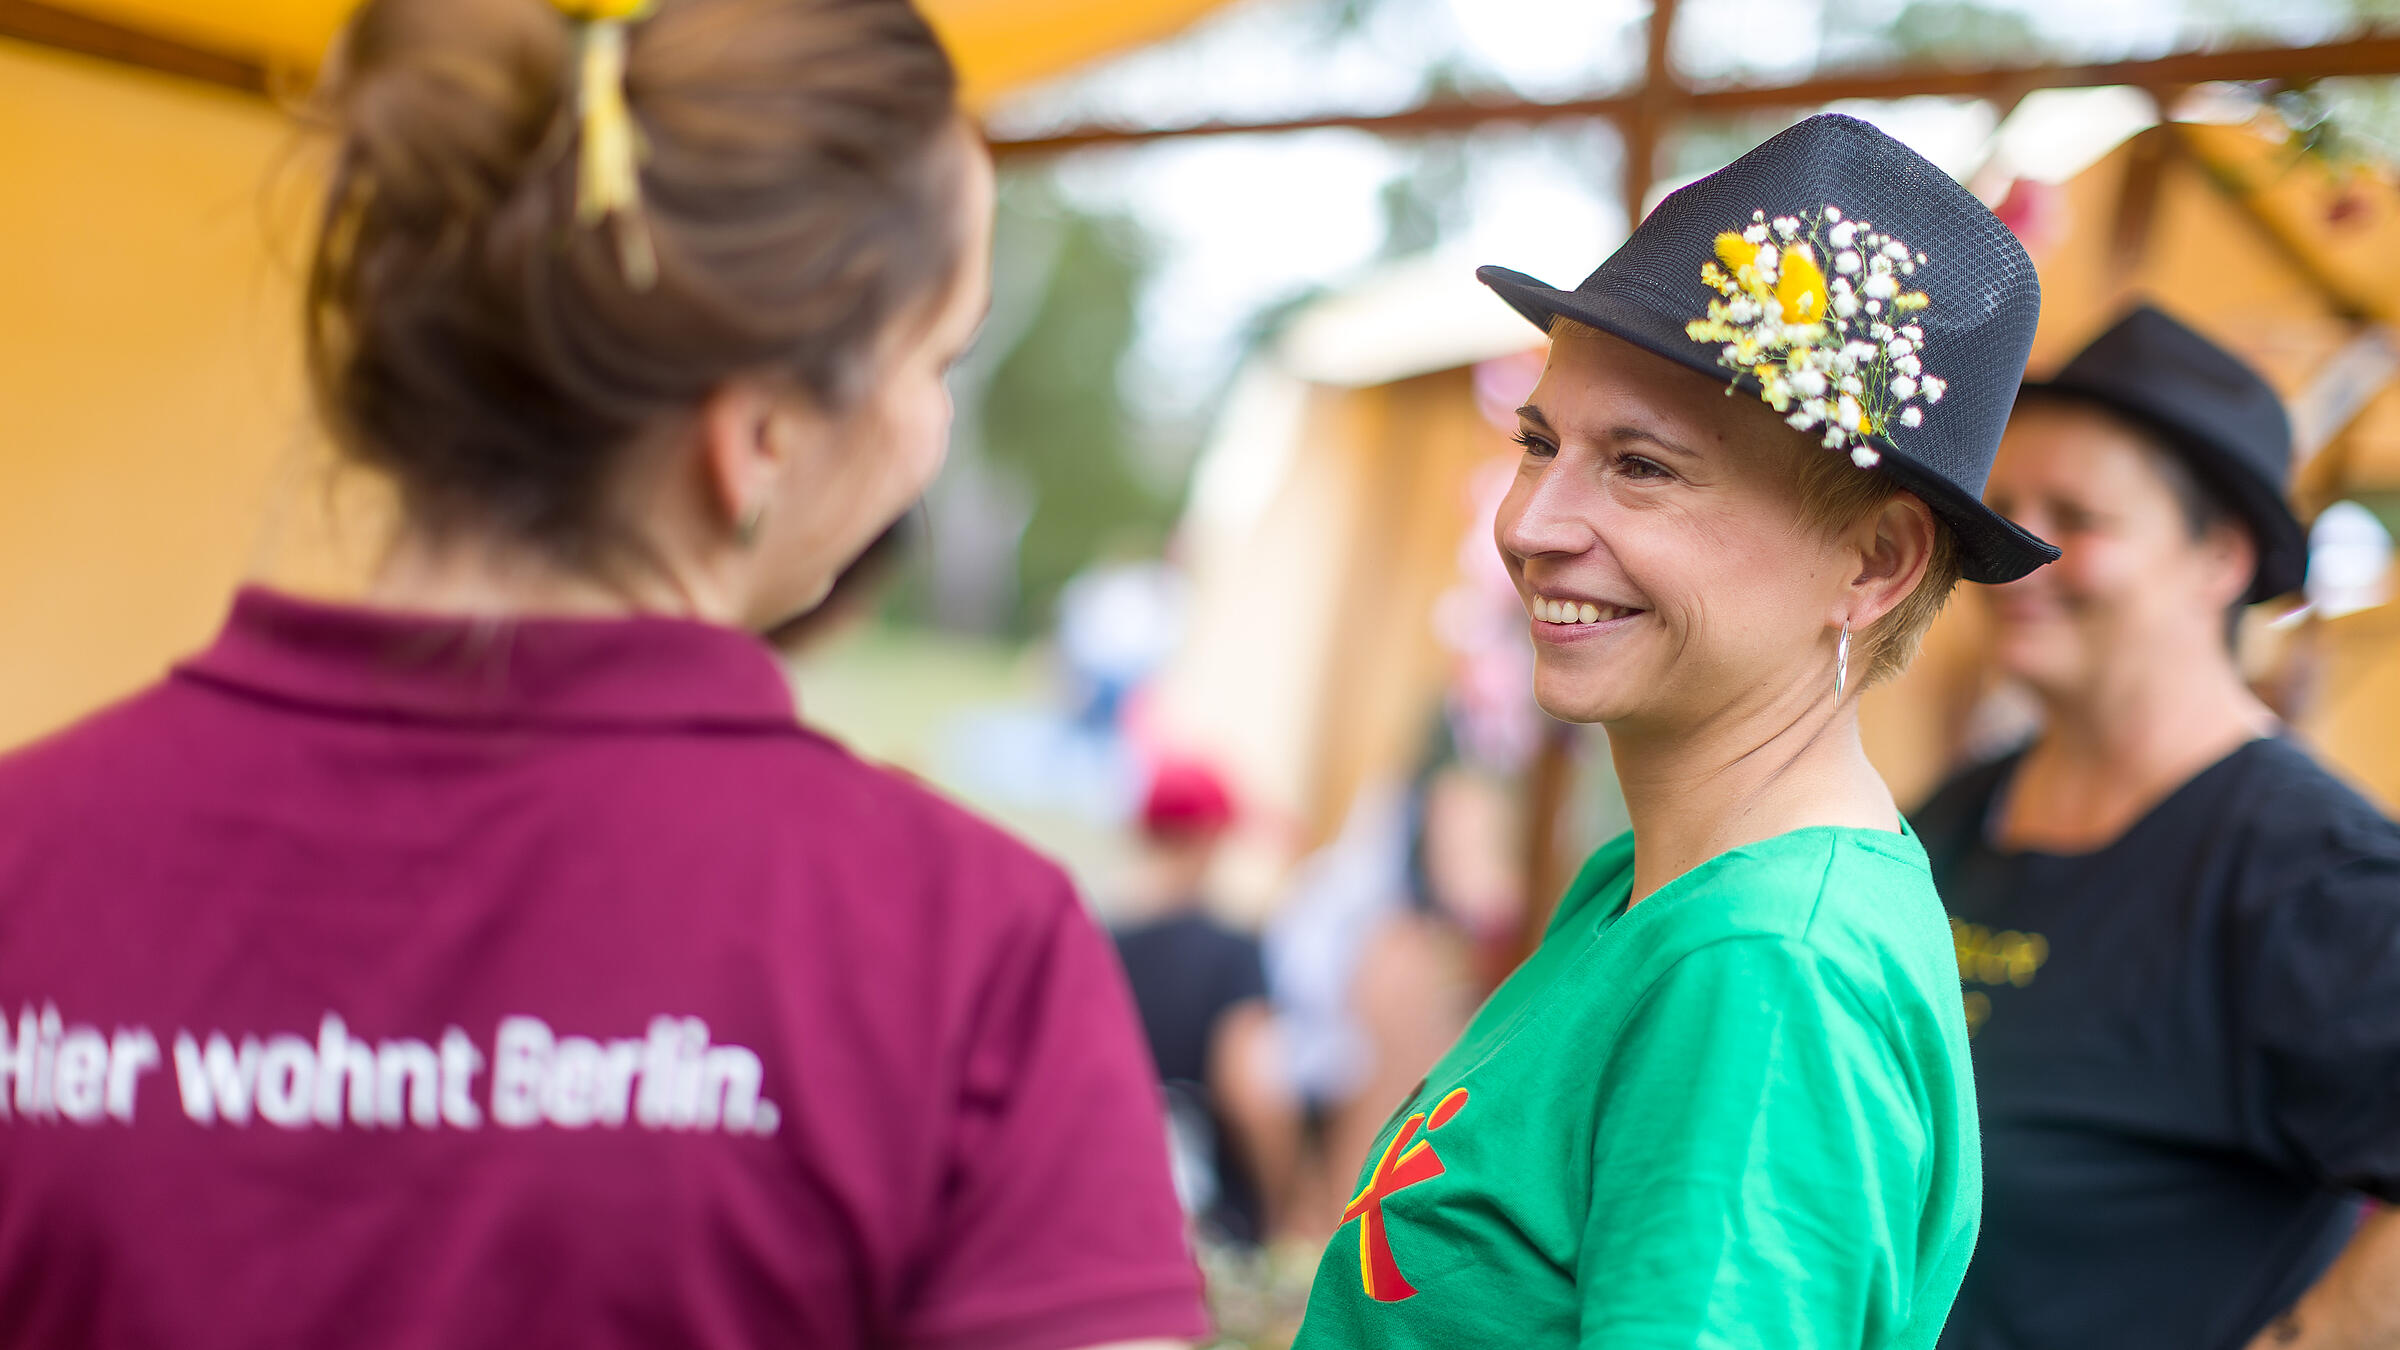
pixel 1535 445
pixel 1635 466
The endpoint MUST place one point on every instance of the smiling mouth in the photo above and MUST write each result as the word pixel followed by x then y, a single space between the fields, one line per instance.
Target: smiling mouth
pixel 1567 612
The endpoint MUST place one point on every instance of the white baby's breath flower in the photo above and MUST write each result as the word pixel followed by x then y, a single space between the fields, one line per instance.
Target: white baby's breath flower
pixel 1858 351
pixel 1881 286
pixel 1845 303
pixel 1912 417
pixel 1865 457
pixel 1845 262
pixel 1904 386
pixel 1875 307
pixel 1833 213
pixel 1834 436
pixel 1842 233
pixel 1756 234
pixel 1899 346
pixel 1851 384
pixel 1800 421
pixel 1846 414
pixel 1809 382
pixel 1912 332
pixel 1786 226
pixel 1817 409
pixel 1896 251
pixel 1741 309
pixel 1935 387
pixel 1909 365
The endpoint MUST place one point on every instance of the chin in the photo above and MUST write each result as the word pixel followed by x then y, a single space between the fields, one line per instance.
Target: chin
pixel 1577 697
pixel 2031 660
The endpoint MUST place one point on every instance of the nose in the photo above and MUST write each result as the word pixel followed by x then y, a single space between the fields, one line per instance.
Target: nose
pixel 1543 515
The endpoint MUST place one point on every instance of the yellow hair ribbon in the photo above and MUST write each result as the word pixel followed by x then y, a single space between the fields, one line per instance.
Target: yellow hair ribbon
pixel 608 180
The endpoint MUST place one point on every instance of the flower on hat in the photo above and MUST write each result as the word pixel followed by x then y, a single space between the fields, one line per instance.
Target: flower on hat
pixel 1824 350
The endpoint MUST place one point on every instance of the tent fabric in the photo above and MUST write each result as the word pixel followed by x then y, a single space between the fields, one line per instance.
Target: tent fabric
pixel 1000 44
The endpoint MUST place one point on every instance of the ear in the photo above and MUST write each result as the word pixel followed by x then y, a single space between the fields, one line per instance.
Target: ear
pixel 747 443
pixel 1894 547
pixel 2230 557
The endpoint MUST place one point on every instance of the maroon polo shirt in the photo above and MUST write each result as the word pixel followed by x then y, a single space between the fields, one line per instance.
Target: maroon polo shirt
pixel 410 981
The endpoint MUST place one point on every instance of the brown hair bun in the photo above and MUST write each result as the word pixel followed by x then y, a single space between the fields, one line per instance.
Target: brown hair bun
pixel 474 341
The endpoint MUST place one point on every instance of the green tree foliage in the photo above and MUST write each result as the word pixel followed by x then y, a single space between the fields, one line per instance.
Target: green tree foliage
pixel 1054 415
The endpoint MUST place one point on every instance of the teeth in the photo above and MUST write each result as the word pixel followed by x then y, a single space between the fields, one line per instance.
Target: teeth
pixel 1570 611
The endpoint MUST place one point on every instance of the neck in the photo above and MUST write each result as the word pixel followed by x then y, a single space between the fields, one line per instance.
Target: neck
pixel 2110 752
pixel 1694 793
pixel 480 576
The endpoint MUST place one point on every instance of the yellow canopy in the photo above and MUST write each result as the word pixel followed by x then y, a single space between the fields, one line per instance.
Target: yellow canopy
pixel 999 44
pixel 155 445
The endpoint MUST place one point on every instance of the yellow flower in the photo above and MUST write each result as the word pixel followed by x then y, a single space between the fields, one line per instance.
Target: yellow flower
pixel 604 11
pixel 1736 251
pixel 1801 288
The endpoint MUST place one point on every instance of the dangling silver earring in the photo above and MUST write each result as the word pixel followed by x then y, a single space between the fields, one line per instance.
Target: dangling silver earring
pixel 1841 664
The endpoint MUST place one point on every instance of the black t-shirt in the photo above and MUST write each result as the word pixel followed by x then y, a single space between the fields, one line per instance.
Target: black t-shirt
pixel 1187 972
pixel 2187 1051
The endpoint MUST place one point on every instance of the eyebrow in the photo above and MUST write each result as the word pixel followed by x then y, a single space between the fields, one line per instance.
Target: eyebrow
pixel 1620 433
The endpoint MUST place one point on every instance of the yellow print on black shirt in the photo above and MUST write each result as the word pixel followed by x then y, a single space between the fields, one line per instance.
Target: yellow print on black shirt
pixel 1986 957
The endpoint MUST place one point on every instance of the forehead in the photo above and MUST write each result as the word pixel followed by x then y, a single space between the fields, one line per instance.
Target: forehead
pixel 2071 442
pixel 1596 383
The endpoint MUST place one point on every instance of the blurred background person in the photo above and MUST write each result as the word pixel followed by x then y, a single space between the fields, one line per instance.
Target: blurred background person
pixel 1379 954
pixel 645 312
pixel 2180 937
pixel 1201 988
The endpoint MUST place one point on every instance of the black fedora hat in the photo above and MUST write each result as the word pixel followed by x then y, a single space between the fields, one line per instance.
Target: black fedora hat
pixel 2213 412
pixel 1860 290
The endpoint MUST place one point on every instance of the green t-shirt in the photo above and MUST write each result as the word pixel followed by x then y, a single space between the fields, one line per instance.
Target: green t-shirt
pixel 1736 1114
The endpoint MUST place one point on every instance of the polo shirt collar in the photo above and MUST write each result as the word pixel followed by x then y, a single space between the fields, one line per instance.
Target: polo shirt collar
pixel 641 670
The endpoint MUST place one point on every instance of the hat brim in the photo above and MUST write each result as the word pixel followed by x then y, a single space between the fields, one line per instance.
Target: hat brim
pixel 2281 539
pixel 1992 548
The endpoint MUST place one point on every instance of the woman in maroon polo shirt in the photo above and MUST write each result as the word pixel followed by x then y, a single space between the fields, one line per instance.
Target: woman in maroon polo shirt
pixel 499 962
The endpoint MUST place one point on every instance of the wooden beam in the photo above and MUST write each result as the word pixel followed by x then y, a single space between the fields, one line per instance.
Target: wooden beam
pixel 2284 65
pixel 68 30
pixel 1653 108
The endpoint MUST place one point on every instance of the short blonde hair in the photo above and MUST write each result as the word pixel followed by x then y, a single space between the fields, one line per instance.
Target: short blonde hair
pixel 1836 494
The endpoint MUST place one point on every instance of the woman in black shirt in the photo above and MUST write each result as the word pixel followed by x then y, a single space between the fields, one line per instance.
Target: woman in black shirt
pixel 2180 937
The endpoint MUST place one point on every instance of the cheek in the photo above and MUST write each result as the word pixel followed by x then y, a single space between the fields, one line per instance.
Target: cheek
pixel 2099 570
pixel 915 436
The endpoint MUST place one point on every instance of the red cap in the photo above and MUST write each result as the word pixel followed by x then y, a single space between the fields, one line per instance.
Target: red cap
pixel 1186 797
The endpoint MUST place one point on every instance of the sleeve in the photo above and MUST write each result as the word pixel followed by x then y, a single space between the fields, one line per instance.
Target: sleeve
pixel 2324 1025
pixel 1059 1225
pixel 1762 1172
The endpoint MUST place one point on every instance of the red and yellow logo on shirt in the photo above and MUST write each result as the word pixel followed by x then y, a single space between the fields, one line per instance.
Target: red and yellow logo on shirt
pixel 1407 1161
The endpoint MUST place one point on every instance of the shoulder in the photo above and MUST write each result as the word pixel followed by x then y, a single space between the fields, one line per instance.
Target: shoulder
pixel 119 750
pixel 2287 804
pixel 1857 908
pixel 864 820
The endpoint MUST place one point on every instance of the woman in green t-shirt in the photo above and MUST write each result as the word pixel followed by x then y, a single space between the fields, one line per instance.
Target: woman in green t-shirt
pixel 1727 1101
